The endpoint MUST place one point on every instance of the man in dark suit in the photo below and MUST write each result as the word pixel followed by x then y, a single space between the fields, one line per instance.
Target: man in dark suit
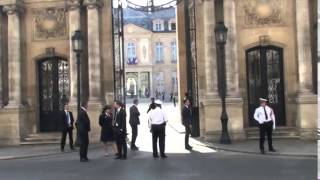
pixel 120 129
pixel 83 127
pixel 134 122
pixel 67 127
pixel 187 121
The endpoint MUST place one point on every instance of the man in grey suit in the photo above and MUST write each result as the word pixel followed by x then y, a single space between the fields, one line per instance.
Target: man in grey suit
pixel 134 122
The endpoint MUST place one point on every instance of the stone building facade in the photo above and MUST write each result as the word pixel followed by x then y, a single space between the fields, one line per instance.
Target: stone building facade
pixel 271 48
pixel 150 53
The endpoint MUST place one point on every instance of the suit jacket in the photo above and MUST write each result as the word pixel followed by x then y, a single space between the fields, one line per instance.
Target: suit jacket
pixel 134 115
pixel 83 122
pixel 187 116
pixel 120 121
pixel 65 120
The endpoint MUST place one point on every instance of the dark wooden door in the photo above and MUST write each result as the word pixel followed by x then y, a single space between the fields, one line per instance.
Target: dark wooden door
pixel 265 79
pixel 54 91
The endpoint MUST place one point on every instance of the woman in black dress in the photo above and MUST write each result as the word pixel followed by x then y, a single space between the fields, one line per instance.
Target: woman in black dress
pixel 105 122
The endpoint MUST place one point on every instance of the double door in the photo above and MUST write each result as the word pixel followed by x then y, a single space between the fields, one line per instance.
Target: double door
pixel 265 79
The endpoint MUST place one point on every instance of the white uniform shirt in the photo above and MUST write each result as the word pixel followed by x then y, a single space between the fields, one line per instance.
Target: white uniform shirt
pixel 157 116
pixel 259 115
pixel 68 116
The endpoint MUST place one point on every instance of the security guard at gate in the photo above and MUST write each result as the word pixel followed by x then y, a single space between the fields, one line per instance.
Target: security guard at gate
pixel 266 119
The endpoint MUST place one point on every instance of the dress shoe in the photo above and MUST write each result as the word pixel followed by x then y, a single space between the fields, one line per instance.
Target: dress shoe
pixel 118 157
pixel 156 156
pixel 272 150
pixel 134 148
pixel 84 160
pixel 164 156
pixel 62 150
pixel 189 148
pixel 123 157
pixel 72 148
pixel 262 151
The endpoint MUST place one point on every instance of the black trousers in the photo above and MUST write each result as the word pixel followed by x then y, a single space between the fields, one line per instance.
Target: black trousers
pixel 121 144
pixel 186 138
pixel 84 143
pixel 158 132
pixel 134 128
pixel 64 136
pixel 266 128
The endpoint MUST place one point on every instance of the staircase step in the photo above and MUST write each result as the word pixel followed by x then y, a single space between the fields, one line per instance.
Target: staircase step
pixel 41 139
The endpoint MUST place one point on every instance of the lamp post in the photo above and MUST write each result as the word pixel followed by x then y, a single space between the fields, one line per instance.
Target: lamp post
pixel 221 38
pixel 77 45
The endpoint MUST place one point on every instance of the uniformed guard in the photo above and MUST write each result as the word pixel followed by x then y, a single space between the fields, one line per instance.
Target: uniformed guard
pixel 266 119
pixel 157 123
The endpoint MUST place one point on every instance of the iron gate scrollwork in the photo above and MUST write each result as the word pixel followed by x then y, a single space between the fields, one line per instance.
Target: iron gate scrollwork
pixel 54 91
pixel 118 51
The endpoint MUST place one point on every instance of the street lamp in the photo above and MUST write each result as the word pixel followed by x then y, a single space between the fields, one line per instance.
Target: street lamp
pixel 221 38
pixel 77 45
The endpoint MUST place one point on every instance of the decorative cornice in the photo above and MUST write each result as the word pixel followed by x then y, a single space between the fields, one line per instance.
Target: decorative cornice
pixel 72 5
pixel 93 4
pixel 13 8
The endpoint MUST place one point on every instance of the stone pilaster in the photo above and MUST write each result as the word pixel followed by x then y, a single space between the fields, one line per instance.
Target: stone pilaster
pixel 232 71
pixel 14 55
pixel 1 62
pixel 94 58
pixel 306 100
pixel 74 24
pixel 210 46
pixel 304 47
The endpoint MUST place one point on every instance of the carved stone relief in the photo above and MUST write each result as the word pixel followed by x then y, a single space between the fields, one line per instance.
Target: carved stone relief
pixel 263 12
pixel 49 24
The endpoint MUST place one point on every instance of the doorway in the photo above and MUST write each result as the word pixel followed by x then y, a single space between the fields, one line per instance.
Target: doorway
pixel 265 79
pixel 54 92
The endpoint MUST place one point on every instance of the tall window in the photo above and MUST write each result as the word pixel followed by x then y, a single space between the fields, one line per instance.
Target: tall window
pixel 174 52
pixel 160 83
pixel 159 52
pixel 131 54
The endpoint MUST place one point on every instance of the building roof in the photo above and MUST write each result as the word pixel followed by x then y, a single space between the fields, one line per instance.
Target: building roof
pixel 144 19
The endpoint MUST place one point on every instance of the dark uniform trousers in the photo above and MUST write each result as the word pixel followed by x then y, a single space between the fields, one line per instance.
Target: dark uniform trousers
pixel 158 132
pixel 121 144
pixel 266 128
pixel 134 128
pixel 84 143
pixel 64 136
pixel 186 138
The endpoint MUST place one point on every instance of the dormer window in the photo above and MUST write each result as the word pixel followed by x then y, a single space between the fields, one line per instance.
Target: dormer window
pixel 172 25
pixel 158 25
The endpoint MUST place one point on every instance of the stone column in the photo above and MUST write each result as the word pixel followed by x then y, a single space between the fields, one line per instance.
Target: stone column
pixel 94 58
pixel 304 47
pixel 1 62
pixel 232 71
pixel 14 55
pixel 74 24
pixel 210 48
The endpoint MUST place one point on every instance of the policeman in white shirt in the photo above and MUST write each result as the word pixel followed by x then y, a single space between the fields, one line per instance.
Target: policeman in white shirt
pixel 157 124
pixel 266 119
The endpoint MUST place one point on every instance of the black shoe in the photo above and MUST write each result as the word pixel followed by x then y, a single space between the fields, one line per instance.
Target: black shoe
pixel 188 148
pixel 72 148
pixel 163 156
pixel 134 148
pixel 118 157
pixel 272 150
pixel 156 156
pixel 123 157
pixel 262 151
pixel 62 149
pixel 84 160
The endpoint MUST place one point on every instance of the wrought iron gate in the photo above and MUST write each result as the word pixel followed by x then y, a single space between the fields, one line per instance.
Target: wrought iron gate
pixel 54 92
pixel 191 58
pixel 265 79
pixel 118 51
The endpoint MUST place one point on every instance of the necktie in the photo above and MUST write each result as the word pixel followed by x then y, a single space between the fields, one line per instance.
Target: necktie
pixel 265 113
pixel 68 118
